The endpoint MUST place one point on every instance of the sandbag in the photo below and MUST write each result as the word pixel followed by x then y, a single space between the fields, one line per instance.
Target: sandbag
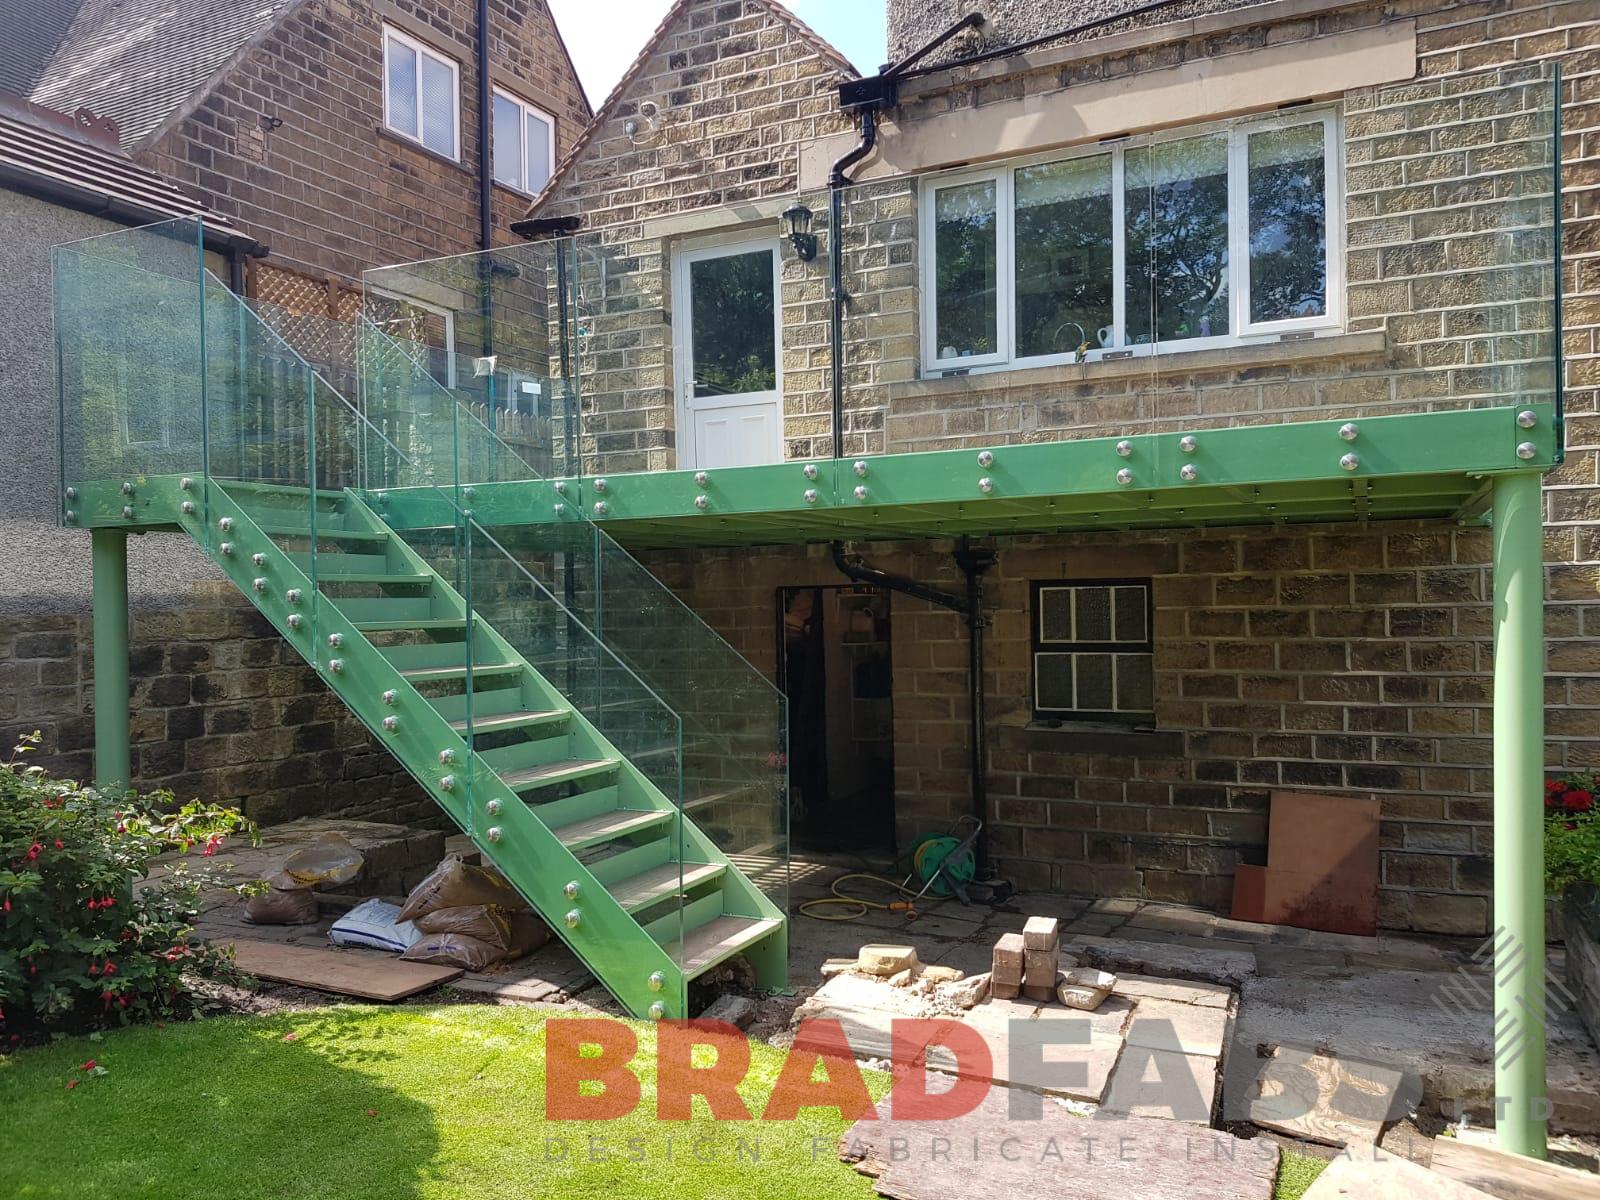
pixel 515 933
pixel 328 862
pixel 282 906
pixel 453 950
pixel 374 923
pixel 453 884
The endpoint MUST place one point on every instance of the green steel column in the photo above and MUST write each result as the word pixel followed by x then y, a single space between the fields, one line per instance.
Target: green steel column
pixel 109 548
pixel 1519 1002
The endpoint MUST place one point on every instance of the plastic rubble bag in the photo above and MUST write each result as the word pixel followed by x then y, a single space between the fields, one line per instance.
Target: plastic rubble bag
pixel 453 884
pixel 377 924
pixel 515 932
pixel 282 906
pixel 454 950
pixel 328 862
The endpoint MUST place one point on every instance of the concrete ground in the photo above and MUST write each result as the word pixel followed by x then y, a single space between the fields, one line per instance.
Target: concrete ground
pixel 1416 1003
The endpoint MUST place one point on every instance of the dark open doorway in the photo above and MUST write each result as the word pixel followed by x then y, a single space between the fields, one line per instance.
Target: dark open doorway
pixel 834 665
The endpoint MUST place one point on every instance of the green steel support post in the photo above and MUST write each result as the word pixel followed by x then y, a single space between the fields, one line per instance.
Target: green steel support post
pixel 109 548
pixel 1519 952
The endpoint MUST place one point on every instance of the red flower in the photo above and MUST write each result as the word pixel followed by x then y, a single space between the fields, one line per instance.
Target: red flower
pixel 1577 800
pixel 60 845
pixel 1554 785
pixel 71 1083
pixel 89 1066
pixel 110 968
pixel 34 851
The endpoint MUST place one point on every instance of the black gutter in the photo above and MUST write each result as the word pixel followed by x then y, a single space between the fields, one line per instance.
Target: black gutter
pixel 126 212
pixel 974 561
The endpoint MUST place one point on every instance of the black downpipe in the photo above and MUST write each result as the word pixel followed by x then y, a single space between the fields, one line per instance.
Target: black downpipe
pixel 973 561
pixel 837 182
pixel 485 118
pixel 236 258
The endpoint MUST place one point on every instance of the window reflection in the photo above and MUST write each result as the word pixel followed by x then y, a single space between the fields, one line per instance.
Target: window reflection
pixel 966 270
pixel 1063 256
pixel 1288 224
pixel 1177 240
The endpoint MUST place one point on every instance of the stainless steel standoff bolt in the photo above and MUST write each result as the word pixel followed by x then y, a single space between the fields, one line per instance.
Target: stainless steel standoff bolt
pixel 1124 448
pixel 187 508
pixel 336 640
pixel 186 484
pixel 1348 431
pixel 658 1011
pixel 225 549
pixel 72 493
pixel 391 723
pixel 861 467
pixel 447 756
pixel 986 484
pixel 573 917
pixel 294 620
pixel 601 508
pixel 259 559
pixel 570 891
pixel 600 484
pixel 1527 450
pixel 225 524
pixel 1187 473
pixel 809 470
pixel 702 502
pixel 657 981
pixel 390 697
pixel 1527 419
pixel 494 833
pixel 811 495
pixel 448 783
pixel 985 458
pixel 336 665
pixel 1350 462
pixel 1188 444
pixel 1124 477
pixel 292 595
pixel 259 583
pixel 492 808
pixel 701 479
pixel 861 492
pixel 127 489
pixel 127 512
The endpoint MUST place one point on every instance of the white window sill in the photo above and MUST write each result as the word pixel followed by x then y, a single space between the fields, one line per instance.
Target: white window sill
pixel 1179 362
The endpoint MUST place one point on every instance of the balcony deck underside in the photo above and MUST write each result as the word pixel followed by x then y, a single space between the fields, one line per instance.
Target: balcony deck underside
pixel 1409 466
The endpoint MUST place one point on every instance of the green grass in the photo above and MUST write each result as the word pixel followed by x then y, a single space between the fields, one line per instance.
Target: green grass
pixel 386 1103
pixel 1296 1172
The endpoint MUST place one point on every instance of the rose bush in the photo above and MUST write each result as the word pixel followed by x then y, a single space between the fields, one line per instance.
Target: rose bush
pixel 84 944
pixel 1571 832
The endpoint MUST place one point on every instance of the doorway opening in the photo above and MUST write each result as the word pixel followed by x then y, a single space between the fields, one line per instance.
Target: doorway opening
pixel 835 668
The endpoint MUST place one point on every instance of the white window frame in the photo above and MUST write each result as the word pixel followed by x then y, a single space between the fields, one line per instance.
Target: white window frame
pixel 437 310
pixel 1242 331
pixel 528 110
pixel 422 50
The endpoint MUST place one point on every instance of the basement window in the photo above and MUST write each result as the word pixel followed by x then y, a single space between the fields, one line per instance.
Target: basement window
pixel 1188 239
pixel 421 94
pixel 524 144
pixel 1092 651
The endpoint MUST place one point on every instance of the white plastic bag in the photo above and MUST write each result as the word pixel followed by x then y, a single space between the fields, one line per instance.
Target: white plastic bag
pixel 376 924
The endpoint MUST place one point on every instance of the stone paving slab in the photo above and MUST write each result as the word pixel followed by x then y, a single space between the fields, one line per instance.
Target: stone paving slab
pixel 1164 1084
pixel 1186 1028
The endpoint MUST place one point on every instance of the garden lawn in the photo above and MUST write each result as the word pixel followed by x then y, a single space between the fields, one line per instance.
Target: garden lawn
pixel 387 1103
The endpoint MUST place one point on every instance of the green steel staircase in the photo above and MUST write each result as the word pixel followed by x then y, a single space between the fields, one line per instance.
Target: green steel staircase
pixel 572 772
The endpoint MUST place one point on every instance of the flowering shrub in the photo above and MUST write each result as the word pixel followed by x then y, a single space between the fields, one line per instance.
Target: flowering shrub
pixel 80 946
pixel 1571 832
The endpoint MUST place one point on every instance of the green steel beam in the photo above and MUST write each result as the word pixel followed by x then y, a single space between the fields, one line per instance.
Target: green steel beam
pixel 1519 999
pixel 109 557
pixel 1409 465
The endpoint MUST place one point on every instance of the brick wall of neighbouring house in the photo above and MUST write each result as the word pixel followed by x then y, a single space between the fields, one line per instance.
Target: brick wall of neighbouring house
pixel 223 709
pixel 1334 659
pixel 331 190
pixel 737 90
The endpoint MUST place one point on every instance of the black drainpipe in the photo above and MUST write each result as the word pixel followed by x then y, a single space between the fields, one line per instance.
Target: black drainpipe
pixel 837 182
pixel 485 118
pixel 974 561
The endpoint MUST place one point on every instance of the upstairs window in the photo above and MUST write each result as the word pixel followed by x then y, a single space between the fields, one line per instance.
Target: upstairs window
pixel 421 94
pixel 1092 651
pixel 1176 242
pixel 524 144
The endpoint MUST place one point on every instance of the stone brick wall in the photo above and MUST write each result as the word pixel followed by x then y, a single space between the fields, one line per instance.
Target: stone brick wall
pixel 725 98
pixel 222 709
pixel 330 189
pixel 1340 659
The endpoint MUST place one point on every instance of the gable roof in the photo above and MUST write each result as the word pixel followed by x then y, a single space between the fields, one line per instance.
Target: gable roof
pixel 29 35
pixel 76 162
pixel 140 61
pixel 804 32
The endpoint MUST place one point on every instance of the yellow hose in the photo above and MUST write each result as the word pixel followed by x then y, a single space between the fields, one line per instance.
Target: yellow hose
pixel 859 907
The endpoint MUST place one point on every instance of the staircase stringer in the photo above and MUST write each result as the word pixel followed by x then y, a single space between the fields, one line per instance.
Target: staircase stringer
pixel 604 936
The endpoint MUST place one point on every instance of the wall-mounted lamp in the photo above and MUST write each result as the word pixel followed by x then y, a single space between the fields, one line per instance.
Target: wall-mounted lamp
pixel 796 224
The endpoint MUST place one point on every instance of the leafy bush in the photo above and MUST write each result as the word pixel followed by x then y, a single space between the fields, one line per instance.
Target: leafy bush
pixel 1571 832
pixel 81 947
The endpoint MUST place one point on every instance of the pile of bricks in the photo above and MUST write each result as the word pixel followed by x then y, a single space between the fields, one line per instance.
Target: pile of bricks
pixel 1028 962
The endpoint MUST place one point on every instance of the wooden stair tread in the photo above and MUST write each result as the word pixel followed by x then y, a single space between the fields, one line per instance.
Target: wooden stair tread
pixel 560 771
pixel 591 831
pixel 708 798
pixel 648 887
pixel 723 937
pixel 512 720
pixel 429 674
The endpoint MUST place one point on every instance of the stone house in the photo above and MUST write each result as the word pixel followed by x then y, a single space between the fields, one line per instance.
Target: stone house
pixel 1216 216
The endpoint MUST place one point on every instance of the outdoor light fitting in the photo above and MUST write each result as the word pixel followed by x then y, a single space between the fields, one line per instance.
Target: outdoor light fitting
pixel 797 228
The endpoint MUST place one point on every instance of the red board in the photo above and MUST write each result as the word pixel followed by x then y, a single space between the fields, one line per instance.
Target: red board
pixel 1322 866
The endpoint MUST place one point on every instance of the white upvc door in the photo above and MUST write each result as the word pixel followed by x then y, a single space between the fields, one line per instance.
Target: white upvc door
pixel 727 325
